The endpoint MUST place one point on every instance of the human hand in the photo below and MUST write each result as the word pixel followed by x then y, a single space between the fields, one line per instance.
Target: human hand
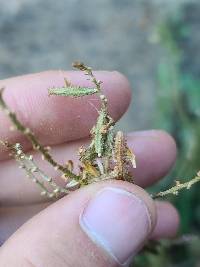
pixel 103 224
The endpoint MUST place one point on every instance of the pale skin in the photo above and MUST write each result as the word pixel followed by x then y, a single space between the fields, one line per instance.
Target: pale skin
pixel 54 237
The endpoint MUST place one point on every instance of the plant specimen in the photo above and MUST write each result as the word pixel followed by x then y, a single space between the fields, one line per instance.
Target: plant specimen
pixel 106 157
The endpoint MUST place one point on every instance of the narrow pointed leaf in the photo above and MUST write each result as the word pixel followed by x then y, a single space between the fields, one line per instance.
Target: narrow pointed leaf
pixel 72 91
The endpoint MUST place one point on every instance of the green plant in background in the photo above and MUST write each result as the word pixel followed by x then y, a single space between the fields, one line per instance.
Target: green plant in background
pixel 178 112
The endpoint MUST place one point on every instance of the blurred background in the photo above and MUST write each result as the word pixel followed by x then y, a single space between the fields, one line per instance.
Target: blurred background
pixel 155 43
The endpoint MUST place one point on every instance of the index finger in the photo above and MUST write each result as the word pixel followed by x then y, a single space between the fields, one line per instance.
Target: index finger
pixel 56 120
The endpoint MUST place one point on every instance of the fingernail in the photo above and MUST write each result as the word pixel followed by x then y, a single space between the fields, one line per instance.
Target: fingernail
pixel 118 221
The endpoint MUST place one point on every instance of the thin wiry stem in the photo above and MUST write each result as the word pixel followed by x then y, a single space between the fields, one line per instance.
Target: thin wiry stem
pixel 88 71
pixel 178 187
pixel 33 177
pixel 28 164
pixel 30 135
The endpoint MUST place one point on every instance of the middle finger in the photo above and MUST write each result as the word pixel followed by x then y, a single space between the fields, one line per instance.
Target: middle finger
pixel 155 154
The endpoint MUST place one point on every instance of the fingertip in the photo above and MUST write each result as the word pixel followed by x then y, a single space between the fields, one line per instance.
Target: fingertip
pixel 122 82
pixel 118 90
pixel 171 148
pixel 155 152
pixel 168 220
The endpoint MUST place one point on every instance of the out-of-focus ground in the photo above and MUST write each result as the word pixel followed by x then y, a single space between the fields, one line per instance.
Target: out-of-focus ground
pixel 37 35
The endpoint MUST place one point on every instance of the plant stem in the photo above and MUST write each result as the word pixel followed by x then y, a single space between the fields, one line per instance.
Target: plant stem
pixel 31 137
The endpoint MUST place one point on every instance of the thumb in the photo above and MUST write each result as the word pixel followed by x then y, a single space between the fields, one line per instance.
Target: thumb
pixel 103 224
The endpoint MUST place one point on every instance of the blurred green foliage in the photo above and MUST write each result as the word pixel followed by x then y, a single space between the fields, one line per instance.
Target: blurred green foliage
pixel 178 112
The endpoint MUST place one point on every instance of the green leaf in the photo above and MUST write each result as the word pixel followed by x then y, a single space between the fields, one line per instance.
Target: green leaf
pixel 72 91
